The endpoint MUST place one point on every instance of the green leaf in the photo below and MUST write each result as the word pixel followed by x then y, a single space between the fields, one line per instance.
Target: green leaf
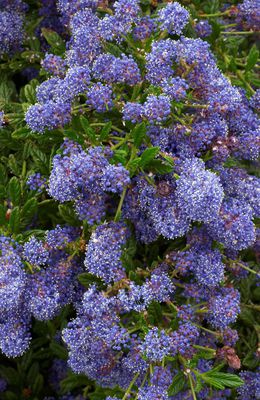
pixel 138 134
pixel 11 375
pixel 58 46
pixel 199 385
pixel 13 165
pixel 14 190
pixel 177 384
pixel 2 192
pixel 99 394
pixel 213 382
pixel 58 350
pixel 33 372
pixel 72 382
pixel 148 155
pixel 3 219
pixel 29 210
pixel 250 361
pixel 14 221
pixel 160 167
pixel 105 131
pixel 3 175
pixel 9 395
pixel 7 89
pixel 221 380
pixel 252 58
pixel 120 156
pixel 154 313
pixel 75 136
pixel 30 93
pixel 87 279
pixel 133 165
pixel 88 130
pixel 40 159
pixel 21 133
pixel 68 214
pixel 247 317
pixel 38 384
pixel 113 49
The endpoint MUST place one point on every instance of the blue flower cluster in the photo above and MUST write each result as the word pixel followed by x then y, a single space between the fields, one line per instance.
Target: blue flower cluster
pixel 36 280
pixel 104 251
pixel 11 26
pixel 37 182
pixel 86 178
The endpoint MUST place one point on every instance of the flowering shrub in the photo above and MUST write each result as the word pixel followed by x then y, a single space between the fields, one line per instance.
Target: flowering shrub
pixel 130 200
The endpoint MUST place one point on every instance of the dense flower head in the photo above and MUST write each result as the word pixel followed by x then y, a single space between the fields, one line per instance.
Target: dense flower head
pixel 11 32
pixel 54 65
pixel 99 97
pixel 199 191
pixel 175 88
pixel 127 10
pixel 230 337
pixel 133 112
pixel 103 331
pixel 85 46
pixel 224 308
pixel 158 212
pixel 35 252
pixel 12 277
pixel 158 287
pixel 157 108
pixel 233 226
pixel 85 177
pixel 51 115
pixel 156 345
pixel 205 131
pixel 152 393
pixel 104 251
pixel 208 268
pixel 161 377
pixel 83 17
pixel 68 8
pixel 61 236
pixel 238 184
pixel 127 70
pixel 183 339
pixel 45 302
pixel 77 80
pixel 251 387
pixel 159 62
pixel 249 14
pixel 47 90
pixel 144 28
pixel 37 182
pixel 15 334
pixel 255 100
pixel 52 288
pixel 121 70
pixel 203 29
pixel 173 18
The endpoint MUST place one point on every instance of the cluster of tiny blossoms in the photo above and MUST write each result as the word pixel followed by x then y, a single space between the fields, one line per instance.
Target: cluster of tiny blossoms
pixel 37 279
pixel 139 323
